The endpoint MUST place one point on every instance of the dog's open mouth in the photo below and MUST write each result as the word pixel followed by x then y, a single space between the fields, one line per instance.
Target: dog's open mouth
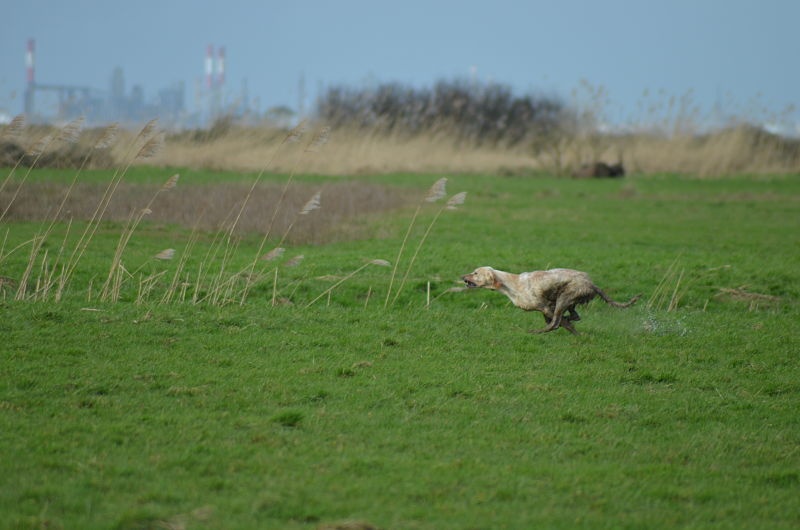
pixel 469 283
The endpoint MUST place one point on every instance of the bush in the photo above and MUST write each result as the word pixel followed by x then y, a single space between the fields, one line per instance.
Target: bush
pixel 484 113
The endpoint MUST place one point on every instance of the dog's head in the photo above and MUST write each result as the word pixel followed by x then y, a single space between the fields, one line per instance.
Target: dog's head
pixel 482 277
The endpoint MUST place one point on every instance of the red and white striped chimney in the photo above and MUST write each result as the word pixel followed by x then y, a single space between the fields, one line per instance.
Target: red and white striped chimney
pixel 29 62
pixel 221 66
pixel 209 66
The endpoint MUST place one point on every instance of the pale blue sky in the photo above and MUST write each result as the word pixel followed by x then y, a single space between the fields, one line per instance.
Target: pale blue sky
pixel 740 55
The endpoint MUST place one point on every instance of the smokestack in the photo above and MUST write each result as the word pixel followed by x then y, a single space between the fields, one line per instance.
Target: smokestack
pixel 209 66
pixel 30 88
pixel 221 66
pixel 29 61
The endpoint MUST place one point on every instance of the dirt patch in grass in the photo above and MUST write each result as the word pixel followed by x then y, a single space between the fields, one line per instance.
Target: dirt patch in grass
pixel 214 207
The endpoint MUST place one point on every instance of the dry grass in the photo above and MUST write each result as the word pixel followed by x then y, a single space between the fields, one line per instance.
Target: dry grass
pixel 347 153
pixel 740 149
pixel 754 300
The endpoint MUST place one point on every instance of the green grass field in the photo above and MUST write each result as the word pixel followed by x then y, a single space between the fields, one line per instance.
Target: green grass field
pixel 681 412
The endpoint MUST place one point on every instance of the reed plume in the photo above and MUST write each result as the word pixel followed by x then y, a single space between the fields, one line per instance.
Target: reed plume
pixel 456 201
pixel 166 254
pixel 151 146
pixel 108 137
pixel 295 261
pixel 147 130
pixel 273 254
pixel 319 140
pixel 312 204
pixel 437 191
pixel 41 145
pixel 15 127
pixel 71 131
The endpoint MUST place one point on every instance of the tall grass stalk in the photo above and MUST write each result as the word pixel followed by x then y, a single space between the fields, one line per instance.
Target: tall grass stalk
pixel 661 297
pixel 146 286
pixel 436 192
pixel 674 286
pixel 293 135
pixel 106 140
pixel 452 204
pixel 169 294
pixel 66 133
pixel 69 133
pixel 329 290
pixel 223 248
pixel 317 141
pixel 112 293
pixel 275 287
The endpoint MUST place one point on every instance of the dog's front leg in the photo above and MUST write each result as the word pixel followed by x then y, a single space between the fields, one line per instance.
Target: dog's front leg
pixel 556 320
pixel 548 320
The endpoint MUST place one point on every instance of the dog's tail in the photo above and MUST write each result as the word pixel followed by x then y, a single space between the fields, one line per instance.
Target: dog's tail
pixel 611 302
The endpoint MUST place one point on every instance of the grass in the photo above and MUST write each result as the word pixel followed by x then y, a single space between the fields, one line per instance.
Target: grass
pixel 683 414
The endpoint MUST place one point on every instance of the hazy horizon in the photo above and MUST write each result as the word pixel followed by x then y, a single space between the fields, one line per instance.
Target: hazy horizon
pixel 630 58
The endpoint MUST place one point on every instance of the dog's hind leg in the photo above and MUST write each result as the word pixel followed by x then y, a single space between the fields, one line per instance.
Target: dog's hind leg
pixel 547 313
pixel 567 324
pixel 573 315
pixel 555 321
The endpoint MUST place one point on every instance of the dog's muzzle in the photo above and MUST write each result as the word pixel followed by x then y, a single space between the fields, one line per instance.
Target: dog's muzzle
pixel 468 282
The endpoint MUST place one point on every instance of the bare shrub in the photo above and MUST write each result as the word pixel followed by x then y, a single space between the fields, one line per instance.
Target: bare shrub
pixel 477 112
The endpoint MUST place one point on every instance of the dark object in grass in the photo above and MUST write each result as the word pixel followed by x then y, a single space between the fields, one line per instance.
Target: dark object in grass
pixel 600 170
pixel 289 418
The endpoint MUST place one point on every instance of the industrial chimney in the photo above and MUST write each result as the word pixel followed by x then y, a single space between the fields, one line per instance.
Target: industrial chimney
pixel 209 67
pixel 29 88
pixel 221 67
pixel 29 61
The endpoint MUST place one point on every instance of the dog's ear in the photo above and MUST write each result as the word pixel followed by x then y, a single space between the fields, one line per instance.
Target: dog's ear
pixel 496 283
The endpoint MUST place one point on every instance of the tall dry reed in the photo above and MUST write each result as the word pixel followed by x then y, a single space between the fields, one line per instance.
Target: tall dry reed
pixel 223 285
pixel 317 141
pixel 111 287
pixel 68 134
pixel 436 192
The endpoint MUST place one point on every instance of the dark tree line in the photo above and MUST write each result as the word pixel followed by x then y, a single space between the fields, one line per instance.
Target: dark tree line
pixel 480 112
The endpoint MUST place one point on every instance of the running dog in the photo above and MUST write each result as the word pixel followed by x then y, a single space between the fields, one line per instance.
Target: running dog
pixel 553 292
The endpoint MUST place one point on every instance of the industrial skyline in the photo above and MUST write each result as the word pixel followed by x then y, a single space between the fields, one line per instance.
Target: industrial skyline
pixel 130 105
